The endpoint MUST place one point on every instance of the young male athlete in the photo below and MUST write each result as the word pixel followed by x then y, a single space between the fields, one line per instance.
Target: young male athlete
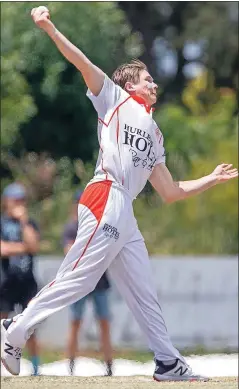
pixel 131 152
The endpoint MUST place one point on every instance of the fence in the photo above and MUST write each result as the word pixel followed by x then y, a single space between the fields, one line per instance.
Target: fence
pixel 198 296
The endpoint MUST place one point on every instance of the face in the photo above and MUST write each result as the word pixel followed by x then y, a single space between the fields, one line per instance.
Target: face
pixel 146 88
pixel 11 204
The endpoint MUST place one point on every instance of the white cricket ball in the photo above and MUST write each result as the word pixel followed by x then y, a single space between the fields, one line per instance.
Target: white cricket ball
pixel 43 9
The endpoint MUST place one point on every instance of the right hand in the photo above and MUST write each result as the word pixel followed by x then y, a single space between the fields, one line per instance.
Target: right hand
pixel 20 213
pixel 41 17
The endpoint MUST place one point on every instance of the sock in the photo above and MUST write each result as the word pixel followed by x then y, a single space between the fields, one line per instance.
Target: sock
pixel 35 364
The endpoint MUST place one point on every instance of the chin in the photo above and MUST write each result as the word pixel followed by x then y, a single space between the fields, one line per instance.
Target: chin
pixel 153 100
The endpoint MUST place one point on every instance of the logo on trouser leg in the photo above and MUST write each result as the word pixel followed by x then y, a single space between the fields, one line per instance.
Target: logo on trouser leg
pixel 110 232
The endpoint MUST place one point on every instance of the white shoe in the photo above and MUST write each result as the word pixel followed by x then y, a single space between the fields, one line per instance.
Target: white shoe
pixel 10 355
pixel 178 371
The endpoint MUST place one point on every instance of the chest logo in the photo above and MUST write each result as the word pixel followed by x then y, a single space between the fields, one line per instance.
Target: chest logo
pixel 141 147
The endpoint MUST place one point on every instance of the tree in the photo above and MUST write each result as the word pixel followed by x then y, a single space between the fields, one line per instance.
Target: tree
pixel 177 34
pixel 52 93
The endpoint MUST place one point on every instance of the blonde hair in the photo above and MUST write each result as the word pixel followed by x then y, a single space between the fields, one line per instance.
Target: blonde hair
pixel 128 72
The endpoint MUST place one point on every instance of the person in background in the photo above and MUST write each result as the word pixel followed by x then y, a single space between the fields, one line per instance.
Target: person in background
pixel 20 240
pixel 99 297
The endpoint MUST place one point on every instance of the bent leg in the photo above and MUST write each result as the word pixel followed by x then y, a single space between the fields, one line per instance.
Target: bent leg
pixel 89 257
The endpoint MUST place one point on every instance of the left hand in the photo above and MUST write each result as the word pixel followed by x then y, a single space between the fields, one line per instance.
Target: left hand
pixel 224 172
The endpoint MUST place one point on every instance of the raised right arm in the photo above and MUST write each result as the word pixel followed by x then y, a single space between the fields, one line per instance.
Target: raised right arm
pixel 93 76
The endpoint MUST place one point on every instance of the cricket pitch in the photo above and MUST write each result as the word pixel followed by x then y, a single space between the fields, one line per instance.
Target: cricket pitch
pixel 132 382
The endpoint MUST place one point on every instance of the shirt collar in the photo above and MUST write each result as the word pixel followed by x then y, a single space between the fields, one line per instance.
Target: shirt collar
pixel 143 103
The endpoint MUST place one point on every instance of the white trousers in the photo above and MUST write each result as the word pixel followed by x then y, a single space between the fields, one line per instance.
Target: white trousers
pixel 107 238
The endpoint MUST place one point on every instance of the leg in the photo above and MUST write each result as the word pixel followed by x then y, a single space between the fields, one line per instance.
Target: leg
pixel 102 311
pixel 98 242
pixel 132 274
pixel 75 324
pixel 27 292
pixel 7 296
pixel 33 350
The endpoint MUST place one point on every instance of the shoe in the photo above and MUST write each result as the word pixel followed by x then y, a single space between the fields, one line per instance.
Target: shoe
pixel 10 355
pixel 178 371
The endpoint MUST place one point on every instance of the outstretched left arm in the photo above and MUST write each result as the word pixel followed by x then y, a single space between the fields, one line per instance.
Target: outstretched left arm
pixel 171 191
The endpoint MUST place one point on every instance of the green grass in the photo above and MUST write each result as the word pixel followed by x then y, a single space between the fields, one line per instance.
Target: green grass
pixel 48 356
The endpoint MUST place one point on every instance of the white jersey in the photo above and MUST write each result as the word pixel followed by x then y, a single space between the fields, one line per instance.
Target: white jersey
pixel 131 143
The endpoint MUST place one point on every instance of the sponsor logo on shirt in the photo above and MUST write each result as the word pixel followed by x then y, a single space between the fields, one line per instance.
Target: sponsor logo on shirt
pixel 141 147
pixel 111 232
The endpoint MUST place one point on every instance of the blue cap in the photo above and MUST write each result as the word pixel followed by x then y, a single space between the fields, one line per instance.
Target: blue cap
pixel 78 195
pixel 14 191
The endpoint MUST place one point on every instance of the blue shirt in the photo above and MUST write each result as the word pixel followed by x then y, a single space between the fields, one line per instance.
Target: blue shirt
pixel 20 265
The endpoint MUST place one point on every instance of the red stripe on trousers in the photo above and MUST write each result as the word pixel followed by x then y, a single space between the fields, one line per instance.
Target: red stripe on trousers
pixel 95 198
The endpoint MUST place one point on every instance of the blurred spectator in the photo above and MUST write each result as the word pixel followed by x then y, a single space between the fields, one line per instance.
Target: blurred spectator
pixel 19 243
pixel 99 297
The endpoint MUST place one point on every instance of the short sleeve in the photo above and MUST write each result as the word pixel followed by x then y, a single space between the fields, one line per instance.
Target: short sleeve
pixel 161 154
pixel 107 98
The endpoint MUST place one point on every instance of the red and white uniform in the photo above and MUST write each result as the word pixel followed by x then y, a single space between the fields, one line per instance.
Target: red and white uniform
pixel 108 237
pixel 131 143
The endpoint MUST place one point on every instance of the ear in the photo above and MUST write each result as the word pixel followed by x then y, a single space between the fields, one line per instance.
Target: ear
pixel 129 87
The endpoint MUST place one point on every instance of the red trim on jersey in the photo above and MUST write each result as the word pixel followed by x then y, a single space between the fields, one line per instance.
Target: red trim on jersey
pixel 39 293
pixel 117 127
pixel 95 198
pixel 102 122
pixel 141 101
pixel 107 125
pixel 138 99
pixel 102 167
pixel 117 137
pixel 102 160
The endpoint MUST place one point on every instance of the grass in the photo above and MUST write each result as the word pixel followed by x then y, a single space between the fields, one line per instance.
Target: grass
pixel 137 382
pixel 48 356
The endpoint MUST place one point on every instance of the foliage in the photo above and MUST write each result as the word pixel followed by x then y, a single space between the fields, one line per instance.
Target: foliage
pixel 58 110
pixel 207 223
pixel 48 138
pixel 178 38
